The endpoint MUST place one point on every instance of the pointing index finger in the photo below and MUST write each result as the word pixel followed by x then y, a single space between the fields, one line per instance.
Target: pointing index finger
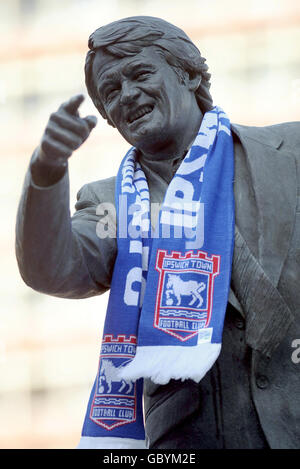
pixel 91 121
pixel 73 104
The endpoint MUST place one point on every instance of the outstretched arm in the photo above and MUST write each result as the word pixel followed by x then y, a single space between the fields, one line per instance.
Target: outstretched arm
pixel 57 254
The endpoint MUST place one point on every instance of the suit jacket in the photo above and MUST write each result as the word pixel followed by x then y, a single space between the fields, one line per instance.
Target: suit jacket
pixel 64 257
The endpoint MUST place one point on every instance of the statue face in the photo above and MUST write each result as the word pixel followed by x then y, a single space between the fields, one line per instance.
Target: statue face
pixel 144 98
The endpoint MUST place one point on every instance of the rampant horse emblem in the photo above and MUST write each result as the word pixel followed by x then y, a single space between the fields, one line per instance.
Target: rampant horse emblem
pixel 184 296
pixel 109 373
pixel 115 399
pixel 179 288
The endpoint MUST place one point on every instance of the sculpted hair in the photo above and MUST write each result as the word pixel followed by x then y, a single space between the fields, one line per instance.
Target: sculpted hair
pixel 129 36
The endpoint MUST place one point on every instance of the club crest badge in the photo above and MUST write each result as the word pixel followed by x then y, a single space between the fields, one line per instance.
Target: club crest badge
pixel 114 402
pixel 185 292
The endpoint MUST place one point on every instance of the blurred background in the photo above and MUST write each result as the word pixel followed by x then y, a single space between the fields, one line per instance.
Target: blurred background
pixel 48 346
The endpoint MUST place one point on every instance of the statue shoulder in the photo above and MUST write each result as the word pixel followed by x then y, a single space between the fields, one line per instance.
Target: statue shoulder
pixel 286 133
pixel 289 131
pixel 102 190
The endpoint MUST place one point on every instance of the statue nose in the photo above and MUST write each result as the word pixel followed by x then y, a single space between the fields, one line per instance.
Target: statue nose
pixel 129 93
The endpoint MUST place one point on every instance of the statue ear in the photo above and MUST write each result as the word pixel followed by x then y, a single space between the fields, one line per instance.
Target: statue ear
pixel 194 81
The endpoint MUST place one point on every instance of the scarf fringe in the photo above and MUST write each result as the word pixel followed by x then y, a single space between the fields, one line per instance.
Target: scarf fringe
pixel 162 363
pixel 110 442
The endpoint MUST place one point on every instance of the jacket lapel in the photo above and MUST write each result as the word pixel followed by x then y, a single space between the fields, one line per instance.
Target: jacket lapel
pixel 268 317
pixel 261 249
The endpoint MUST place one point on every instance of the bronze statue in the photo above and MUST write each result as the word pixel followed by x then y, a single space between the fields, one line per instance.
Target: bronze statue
pixel 147 79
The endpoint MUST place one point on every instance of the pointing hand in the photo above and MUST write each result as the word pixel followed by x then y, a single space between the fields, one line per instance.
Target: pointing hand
pixel 65 132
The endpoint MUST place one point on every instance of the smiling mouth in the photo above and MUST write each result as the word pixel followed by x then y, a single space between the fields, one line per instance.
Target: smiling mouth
pixel 140 112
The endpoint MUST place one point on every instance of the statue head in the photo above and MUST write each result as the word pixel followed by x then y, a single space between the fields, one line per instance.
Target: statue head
pixel 129 36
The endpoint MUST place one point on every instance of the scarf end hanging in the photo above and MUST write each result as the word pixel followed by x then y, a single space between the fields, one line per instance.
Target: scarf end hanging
pixel 162 363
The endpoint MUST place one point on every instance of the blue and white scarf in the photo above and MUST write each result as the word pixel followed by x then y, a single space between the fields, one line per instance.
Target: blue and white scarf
pixel 170 287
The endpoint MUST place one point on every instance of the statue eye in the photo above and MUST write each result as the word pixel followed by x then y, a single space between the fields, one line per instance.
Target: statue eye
pixel 110 94
pixel 142 75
